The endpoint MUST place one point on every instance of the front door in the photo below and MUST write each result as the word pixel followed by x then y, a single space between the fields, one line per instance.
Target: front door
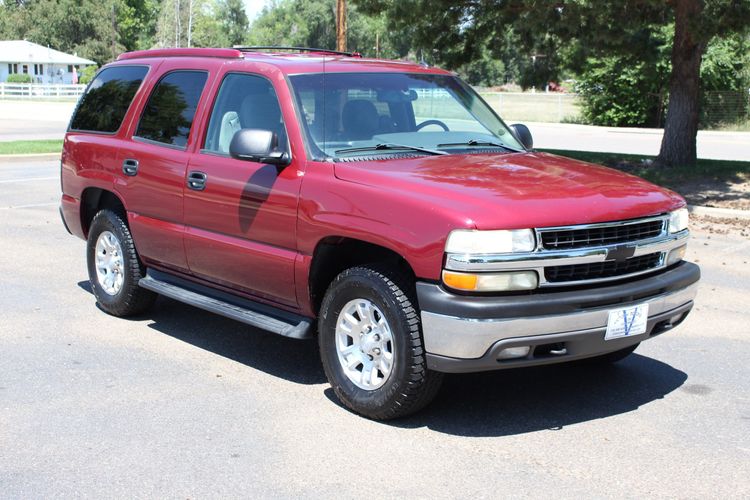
pixel 240 216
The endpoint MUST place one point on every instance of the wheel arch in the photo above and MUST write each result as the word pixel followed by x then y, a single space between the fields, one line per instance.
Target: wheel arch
pixel 334 254
pixel 94 199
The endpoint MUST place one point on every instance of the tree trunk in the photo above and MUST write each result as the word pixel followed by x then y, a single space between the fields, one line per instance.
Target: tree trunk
pixel 341 25
pixel 681 126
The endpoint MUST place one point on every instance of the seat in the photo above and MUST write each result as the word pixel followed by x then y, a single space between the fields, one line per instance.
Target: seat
pixel 262 112
pixel 360 120
pixel 230 124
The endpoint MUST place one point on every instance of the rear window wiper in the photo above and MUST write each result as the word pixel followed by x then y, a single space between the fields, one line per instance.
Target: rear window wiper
pixel 474 142
pixel 387 146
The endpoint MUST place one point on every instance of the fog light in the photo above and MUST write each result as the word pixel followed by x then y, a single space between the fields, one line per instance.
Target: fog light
pixel 676 255
pixel 497 282
pixel 514 352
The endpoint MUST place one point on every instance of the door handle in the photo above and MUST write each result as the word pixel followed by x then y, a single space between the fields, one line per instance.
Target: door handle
pixel 130 167
pixel 197 180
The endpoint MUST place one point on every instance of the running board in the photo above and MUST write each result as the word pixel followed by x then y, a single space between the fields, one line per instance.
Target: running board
pixel 245 311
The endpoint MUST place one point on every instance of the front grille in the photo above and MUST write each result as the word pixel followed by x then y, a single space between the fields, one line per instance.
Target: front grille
pixel 600 270
pixel 564 239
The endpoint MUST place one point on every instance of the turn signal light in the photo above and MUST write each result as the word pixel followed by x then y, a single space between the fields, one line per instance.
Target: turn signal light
pixel 496 282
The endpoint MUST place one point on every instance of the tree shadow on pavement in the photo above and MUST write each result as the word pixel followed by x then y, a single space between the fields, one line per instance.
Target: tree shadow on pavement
pixel 509 402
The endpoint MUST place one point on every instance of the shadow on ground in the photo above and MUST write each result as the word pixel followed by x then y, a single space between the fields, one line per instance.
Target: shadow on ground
pixel 497 403
pixel 290 359
pixel 518 401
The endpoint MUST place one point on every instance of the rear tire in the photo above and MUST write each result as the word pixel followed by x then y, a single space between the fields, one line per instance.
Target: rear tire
pixel 114 267
pixel 371 346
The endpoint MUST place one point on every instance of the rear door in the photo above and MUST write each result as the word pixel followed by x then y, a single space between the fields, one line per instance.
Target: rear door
pixel 155 157
pixel 241 220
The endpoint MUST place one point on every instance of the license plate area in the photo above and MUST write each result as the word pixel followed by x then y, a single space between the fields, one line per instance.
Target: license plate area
pixel 627 322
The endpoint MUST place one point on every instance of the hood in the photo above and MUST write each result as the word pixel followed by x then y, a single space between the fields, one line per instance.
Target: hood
pixel 516 190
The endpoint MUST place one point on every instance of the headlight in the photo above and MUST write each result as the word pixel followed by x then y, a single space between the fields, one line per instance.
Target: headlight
pixel 470 241
pixel 678 220
pixel 496 282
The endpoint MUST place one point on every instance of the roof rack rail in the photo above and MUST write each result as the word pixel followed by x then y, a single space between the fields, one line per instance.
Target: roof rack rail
pixel 181 52
pixel 259 48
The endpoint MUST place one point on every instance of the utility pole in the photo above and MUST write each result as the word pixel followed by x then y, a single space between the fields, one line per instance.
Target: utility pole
pixel 377 45
pixel 177 27
pixel 190 24
pixel 114 34
pixel 341 25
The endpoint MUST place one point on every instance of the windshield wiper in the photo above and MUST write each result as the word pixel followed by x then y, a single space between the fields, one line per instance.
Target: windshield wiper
pixel 474 142
pixel 390 146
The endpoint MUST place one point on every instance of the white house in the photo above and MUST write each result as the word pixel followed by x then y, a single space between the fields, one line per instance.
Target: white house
pixel 45 65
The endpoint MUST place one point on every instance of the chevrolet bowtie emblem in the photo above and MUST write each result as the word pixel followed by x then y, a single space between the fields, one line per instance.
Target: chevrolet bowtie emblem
pixel 620 253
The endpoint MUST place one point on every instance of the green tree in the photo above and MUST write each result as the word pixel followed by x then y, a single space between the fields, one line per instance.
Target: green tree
pixel 233 20
pixel 190 23
pixel 311 23
pixel 85 27
pixel 136 23
pixel 458 28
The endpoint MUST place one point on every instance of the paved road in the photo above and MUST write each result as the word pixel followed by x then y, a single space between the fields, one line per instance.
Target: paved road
pixel 48 120
pixel 716 145
pixel 179 403
pixel 30 120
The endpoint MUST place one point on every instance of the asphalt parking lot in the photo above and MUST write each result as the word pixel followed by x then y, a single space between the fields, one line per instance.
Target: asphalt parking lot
pixel 182 404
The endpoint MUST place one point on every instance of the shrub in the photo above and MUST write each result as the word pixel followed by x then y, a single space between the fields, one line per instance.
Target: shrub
pixel 87 74
pixel 623 92
pixel 19 78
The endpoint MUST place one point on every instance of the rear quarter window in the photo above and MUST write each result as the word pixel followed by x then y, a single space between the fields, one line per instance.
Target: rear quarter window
pixel 107 99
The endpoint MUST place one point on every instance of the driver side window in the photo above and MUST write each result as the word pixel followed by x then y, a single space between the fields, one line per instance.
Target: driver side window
pixel 244 101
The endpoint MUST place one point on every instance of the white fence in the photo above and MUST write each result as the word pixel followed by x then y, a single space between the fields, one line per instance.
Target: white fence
pixel 534 106
pixel 40 91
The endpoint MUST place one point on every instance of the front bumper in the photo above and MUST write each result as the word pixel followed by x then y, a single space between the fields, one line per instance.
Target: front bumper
pixel 467 333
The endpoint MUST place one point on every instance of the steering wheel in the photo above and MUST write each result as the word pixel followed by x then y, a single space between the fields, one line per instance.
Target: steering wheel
pixel 427 123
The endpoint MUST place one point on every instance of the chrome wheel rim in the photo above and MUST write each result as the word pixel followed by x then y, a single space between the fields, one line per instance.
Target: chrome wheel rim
pixel 364 344
pixel 109 263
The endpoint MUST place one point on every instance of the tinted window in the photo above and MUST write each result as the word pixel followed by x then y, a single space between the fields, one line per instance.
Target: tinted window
pixel 108 98
pixel 169 111
pixel 244 101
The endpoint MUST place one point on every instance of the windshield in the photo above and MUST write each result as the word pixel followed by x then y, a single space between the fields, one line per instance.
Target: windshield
pixel 367 114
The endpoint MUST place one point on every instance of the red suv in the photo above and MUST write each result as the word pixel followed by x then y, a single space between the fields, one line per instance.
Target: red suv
pixel 381 206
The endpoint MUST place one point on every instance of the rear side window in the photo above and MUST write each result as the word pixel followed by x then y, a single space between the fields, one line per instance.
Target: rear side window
pixel 169 112
pixel 108 98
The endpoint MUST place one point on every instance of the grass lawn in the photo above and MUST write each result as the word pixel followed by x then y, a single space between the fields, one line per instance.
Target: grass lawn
pixel 30 147
pixel 718 170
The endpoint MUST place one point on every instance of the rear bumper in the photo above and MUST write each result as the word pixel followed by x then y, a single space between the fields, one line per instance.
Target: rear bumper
pixel 464 334
pixel 70 212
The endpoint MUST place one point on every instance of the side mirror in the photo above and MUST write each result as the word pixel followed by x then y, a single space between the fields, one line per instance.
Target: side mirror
pixel 523 134
pixel 256 145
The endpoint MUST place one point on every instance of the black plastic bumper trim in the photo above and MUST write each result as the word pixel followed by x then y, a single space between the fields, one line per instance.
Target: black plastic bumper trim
pixel 63 220
pixel 435 299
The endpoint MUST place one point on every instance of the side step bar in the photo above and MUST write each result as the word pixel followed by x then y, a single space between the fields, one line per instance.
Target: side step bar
pixel 245 311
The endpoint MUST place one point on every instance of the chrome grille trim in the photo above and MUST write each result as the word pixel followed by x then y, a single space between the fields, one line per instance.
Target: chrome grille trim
pixel 540 258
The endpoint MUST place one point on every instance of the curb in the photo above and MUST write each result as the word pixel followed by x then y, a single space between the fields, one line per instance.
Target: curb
pixel 32 156
pixel 729 213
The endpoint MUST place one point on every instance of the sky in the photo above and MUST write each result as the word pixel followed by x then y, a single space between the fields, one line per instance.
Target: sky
pixel 253 8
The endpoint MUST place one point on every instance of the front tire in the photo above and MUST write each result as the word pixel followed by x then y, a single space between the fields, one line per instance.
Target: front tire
pixel 371 345
pixel 114 267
